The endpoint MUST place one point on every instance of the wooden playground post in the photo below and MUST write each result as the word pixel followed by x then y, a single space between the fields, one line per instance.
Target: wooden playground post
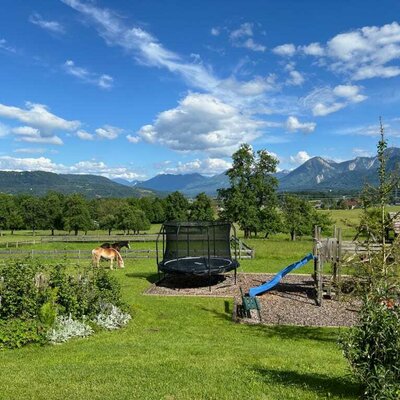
pixel 318 266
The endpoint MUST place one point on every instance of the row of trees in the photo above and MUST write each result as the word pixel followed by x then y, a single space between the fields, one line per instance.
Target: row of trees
pixel 74 213
pixel 251 201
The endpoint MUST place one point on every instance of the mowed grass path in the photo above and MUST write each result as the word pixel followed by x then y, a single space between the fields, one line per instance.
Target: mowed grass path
pixel 185 348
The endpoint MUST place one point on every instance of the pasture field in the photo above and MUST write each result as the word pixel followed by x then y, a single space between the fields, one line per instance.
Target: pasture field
pixel 185 347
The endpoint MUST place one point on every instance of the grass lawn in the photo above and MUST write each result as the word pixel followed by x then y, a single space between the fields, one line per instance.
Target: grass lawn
pixel 186 348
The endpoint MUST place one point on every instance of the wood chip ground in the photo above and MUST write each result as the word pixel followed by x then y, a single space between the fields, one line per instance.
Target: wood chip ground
pixel 291 302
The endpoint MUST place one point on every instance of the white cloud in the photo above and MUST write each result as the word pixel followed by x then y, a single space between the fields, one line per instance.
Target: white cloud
pixel 42 140
pixel 243 37
pixel 4 130
pixel 5 46
pixel 370 130
pixel 350 92
pixel 103 81
pixel 30 150
pixel 133 139
pixel 202 123
pixel 320 109
pixel 108 132
pixel 363 53
pixel 8 163
pixel 38 116
pixel 146 48
pixel 215 31
pixel 294 125
pixel 287 50
pixel 300 158
pixel 324 101
pixel 81 134
pixel 208 166
pixel 26 131
pixel 52 26
pixel 295 78
pixel 362 152
pixel 32 135
pixel 313 49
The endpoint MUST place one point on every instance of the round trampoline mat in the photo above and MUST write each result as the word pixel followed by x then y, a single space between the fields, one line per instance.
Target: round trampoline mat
pixel 198 265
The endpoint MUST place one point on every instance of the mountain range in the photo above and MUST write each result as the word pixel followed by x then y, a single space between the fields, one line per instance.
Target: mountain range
pixel 40 182
pixel 316 174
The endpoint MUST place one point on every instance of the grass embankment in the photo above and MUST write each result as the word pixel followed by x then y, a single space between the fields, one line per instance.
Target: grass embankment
pixel 185 348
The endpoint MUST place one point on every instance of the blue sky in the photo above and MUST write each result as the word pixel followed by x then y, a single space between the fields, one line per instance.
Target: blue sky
pixel 131 89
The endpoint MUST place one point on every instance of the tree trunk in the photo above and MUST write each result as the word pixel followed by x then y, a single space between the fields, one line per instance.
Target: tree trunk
pixel 76 232
pixel 293 235
pixel 52 231
pixel 109 231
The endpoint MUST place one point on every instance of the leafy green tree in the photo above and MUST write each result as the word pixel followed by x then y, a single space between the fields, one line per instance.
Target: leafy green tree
pixel 271 221
pixel 6 206
pixel 105 213
pixel 299 217
pixel 201 209
pixel 252 189
pixel 53 206
pixel 76 214
pixel 15 220
pixel 33 212
pixel 130 218
pixel 176 207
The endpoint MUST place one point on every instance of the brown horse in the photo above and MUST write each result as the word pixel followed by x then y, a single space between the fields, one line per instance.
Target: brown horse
pixel 108 254
pixel 117 245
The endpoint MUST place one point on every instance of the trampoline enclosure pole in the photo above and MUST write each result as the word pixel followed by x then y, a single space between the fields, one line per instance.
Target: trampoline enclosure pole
pixel 209 261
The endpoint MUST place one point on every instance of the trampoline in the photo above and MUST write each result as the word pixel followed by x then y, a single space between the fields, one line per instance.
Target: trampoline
pixel 196 248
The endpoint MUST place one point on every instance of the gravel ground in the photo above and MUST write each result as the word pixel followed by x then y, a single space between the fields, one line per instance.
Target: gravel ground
pixel 292 302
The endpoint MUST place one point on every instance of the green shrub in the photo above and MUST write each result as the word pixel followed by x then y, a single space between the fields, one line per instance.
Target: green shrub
pixel 373 349
pixel 19 292
pixel 16 333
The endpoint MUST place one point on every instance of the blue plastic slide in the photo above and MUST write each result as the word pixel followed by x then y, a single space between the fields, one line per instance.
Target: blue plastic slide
pixel 278 277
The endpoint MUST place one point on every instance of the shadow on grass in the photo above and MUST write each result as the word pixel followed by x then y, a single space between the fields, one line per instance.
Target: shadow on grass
pixel 152 278
pixel 328 335
pixel 322 385
pixel 226 315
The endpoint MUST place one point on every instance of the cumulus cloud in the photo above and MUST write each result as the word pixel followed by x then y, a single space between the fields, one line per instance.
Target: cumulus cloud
pixel 363 53
pixel 103 81
pixel 300 158
pixel 202 123
pixel 38 116
pixel 287 49
pixel 313 49
pixel 208 166
pixel 327 100
pixel 294 125
pixel 243 37
pixel 52 26
pixel 108 132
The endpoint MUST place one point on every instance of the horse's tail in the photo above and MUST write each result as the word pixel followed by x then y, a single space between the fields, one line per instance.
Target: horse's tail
pixel 120 259
pixel 94 257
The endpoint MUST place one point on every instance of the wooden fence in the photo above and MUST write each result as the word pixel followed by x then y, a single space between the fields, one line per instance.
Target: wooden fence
pixel 73 254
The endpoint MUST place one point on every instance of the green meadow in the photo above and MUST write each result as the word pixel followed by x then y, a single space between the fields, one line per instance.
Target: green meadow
pixel 184 347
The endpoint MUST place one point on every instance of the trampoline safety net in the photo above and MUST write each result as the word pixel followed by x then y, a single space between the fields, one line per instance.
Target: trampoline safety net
pixel 196 248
